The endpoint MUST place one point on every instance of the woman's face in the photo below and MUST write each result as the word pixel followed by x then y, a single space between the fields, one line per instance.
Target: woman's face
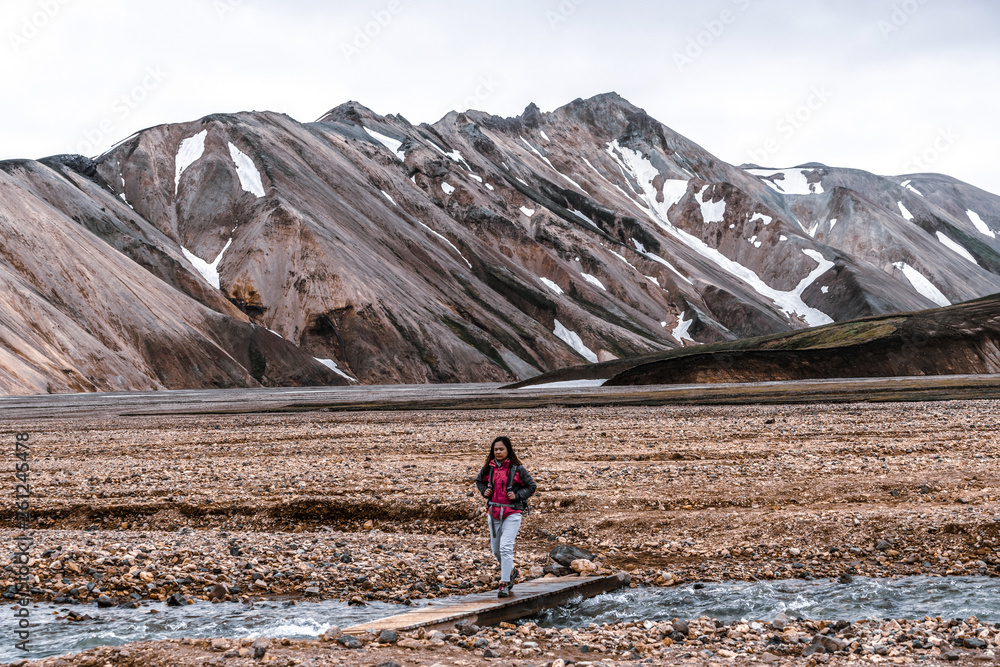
pixel 499 451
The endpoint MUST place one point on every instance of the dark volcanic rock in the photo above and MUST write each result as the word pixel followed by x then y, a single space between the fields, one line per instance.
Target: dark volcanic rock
pixel 953 340
pixel 565 554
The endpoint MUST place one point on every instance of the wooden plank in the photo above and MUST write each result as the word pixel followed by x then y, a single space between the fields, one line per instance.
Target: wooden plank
pixel 527 598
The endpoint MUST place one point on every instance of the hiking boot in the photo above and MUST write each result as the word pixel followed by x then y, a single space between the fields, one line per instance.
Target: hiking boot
pixel 504 592
pixel 513 578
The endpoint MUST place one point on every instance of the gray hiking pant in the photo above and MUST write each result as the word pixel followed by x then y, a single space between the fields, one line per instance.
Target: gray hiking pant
pixel 502 536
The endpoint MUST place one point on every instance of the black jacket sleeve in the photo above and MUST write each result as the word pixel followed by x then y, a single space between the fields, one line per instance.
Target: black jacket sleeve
pixel 483 479
pixel 528 485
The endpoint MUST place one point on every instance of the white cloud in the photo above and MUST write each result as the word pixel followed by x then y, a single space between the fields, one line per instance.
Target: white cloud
pixel 286 56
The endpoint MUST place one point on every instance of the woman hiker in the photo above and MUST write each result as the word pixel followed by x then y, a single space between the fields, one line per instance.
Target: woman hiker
pixel 506 485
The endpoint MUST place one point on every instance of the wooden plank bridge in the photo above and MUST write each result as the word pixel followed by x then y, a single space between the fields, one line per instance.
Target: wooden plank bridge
pixel 527 598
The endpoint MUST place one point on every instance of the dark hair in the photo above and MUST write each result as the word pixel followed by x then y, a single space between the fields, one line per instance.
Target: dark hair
pixel 511 455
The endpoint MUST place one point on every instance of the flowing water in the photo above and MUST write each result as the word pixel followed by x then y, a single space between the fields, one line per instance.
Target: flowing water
pixel 53 634
pixel 909 597
pixel 864 598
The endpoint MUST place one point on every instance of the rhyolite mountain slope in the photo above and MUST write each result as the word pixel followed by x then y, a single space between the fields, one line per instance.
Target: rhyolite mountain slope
pixel 476 249
pixel 94 298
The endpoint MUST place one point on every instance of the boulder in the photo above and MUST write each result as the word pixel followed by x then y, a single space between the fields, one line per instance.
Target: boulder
pixel 780 621
pixel 565 554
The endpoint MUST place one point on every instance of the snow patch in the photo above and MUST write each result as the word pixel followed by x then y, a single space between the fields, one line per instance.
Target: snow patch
pixel 955 246
pixel 906 184
pixel 922 284
pixel 782 238
pixel 790 302
pixel 544 136
pixel 551 285
pixel 572 339
pixel 568 384
pixel 247 171
pixel 390 143
pixel 980 225
pixel 489 187
pixel 754 241
pixel 188 153
pixel 621 258
pixel 594 281
pixel 527 211
pixel 711 211
pixel 680 332
pixel 386 194
pixel 791 181
pixel 657 258
pixel 905 213
pixel 455 155
pixel 447 187
pixel 833 221
pixel 210 272
pixel 766 219
pixel 585 219
pixel 332 365
pixel 824 289
pixel 443 238
pixel 522 181
pixel 475 178
pixel 643 171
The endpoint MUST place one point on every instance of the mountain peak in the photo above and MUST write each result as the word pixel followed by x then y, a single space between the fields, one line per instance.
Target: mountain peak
pixel 532 115
pixel 349 112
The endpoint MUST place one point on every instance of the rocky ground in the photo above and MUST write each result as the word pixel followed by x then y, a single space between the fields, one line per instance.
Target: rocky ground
pixel 379 506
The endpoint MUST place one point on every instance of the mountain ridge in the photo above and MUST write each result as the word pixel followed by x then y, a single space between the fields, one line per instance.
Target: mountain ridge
pixel 486 248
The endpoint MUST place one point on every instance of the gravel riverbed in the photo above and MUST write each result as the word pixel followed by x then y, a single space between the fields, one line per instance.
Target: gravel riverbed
pixel 380 506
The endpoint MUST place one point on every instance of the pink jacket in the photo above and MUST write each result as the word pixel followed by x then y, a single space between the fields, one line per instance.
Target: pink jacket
pixel 498 480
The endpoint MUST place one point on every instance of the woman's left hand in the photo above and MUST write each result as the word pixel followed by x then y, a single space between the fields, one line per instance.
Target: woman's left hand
pixel 510 495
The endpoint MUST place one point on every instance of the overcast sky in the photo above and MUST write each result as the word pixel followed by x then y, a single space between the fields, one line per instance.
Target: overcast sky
pixel 890 86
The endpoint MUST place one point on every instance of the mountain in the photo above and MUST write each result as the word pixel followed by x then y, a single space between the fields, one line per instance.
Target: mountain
pixel 954 340
pixel 250 249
